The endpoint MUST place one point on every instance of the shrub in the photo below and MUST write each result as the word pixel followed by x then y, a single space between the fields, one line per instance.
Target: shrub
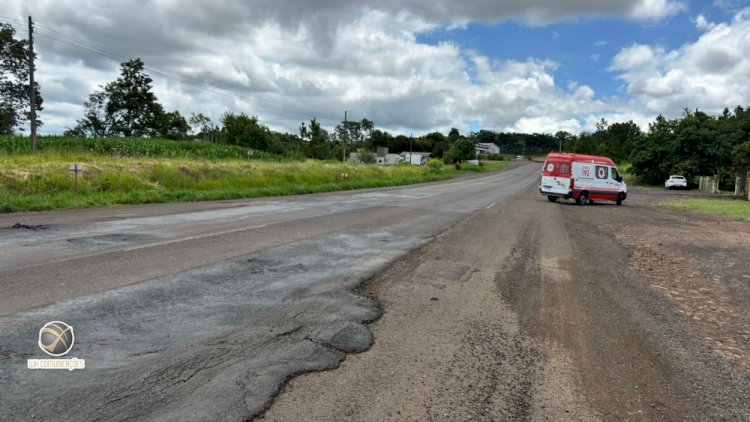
pixel 435 163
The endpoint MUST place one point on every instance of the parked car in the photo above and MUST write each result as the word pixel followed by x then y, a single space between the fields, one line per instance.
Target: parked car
pixel 519 157
pixel 676 182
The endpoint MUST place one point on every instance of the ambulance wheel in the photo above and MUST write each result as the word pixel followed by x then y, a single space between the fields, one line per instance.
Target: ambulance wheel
pixel 584 199
pixel 551 198
pixel 619 199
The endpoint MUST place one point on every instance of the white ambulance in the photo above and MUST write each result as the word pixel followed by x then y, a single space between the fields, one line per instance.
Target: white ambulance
pixel 585 178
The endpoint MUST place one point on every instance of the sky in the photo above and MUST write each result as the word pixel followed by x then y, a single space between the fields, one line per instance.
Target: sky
pixel 411 66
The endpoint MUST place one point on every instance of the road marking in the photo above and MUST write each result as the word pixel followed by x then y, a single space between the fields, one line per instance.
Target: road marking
pixel 185 239
pixel 490 205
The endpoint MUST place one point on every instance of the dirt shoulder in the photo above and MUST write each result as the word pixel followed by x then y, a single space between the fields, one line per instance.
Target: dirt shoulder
pixel 700 264
pixel 537 311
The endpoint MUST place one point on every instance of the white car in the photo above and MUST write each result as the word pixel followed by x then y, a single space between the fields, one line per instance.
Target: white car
pixel 676 182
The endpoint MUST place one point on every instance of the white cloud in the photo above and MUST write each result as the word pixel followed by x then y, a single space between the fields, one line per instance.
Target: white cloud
pixel 294 60
pixel 712 73
pixel 633 57
pixel 703 24
pixel 657 9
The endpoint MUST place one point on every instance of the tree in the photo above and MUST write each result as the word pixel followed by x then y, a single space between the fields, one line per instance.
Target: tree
pixel 131 104
pixel 203 127
pixel 128 107
pixel 240 129
pixel 563 138
pixel 741 156
pixel 319 145
pixel 15 108
pixel 461 150
pixel 379 138
pixel 454 136
pixel 651 153
pixel 439 143
pixel 352 134
pixel 96 122
pixel 171 126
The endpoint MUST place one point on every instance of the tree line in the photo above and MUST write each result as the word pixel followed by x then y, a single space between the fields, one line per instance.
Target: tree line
pixel 694 144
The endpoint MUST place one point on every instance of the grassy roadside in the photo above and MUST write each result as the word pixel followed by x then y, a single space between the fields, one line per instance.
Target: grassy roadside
pixel 139 171
pixel 487 166
pixel 724 207
pixel 43 182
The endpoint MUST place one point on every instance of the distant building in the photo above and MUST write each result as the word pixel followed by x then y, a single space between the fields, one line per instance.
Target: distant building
pixel 487 149
pixel 416 158
pixel 384 158
pixel 354 158
pixel 390 160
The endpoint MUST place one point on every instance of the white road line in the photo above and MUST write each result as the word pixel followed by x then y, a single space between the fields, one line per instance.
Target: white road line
pixel 490 205
pixel 185 239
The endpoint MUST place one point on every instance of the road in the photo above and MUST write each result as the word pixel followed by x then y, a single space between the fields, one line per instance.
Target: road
pixel 201 311
pixel 538 311
pixel 475 299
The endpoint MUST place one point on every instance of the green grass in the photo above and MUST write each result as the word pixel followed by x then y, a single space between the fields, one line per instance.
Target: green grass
pixel 485 167
pixel 128 147
pixel 42 182
pixel 137 171
pixel 495 165
pixel 724 207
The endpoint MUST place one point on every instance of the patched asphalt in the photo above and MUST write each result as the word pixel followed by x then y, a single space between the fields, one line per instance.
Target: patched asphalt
pixel 202 316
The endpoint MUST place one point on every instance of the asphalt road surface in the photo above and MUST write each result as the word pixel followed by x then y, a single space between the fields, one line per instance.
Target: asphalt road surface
pixel 188 313
pixel 473 299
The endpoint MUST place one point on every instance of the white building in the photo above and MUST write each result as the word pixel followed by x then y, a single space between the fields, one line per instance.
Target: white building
pixel 487 149
pixel 389 159
pixel 416 158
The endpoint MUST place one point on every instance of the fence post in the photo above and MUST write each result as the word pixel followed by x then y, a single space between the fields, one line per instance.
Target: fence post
pixel 737 186
pixel 747 185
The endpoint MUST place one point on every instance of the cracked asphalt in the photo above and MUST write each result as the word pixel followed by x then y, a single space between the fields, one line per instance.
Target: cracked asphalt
pixel 475 299
pixel 202 311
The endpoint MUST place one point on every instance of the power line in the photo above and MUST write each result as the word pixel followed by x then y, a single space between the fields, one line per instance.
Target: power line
pixel 120 57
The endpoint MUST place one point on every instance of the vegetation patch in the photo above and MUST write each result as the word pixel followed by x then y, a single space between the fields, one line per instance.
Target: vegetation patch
pixel 128 147
pixel 43 181
pixel 724 207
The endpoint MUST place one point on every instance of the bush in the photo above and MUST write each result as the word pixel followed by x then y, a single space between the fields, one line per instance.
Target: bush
pixel 368 157
pixel 435 163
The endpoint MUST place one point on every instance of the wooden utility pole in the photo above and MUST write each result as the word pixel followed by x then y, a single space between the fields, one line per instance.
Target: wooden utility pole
pixel 32 90
pixel 346 135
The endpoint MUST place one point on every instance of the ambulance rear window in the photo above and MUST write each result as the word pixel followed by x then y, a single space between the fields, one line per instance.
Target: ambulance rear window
pixel 563 168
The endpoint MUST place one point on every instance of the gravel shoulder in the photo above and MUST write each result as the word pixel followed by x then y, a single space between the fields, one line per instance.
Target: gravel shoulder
pixel 537 311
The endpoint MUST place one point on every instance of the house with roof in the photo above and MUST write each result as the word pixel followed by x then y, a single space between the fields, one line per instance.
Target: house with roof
pixel 487 148
pixel 416 158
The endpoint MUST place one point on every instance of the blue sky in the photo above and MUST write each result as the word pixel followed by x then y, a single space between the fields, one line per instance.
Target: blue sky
pixel 411 66
pixel 582 48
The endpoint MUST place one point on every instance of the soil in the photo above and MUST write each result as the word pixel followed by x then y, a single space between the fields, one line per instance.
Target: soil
pixel 531 310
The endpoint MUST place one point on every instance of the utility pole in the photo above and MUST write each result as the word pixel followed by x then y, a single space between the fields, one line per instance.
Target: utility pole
pixel 32 91
pixel 346 135
pixel 411 138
